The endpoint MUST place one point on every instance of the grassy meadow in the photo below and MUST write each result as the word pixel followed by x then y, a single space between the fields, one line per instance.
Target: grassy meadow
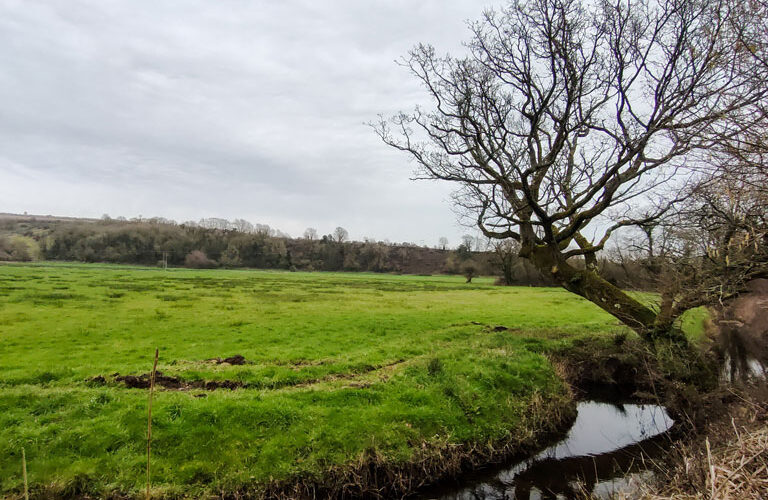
pixel 339 367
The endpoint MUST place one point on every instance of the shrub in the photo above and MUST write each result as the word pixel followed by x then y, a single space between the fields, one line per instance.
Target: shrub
pixel 231 257
pixel 470 271
pixel 197 259
pixel 20 248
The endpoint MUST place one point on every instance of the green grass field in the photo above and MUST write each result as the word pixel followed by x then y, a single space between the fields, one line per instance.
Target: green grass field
pixel 341 366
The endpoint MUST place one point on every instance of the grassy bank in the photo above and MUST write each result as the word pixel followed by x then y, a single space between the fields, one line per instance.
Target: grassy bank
pixel 341 370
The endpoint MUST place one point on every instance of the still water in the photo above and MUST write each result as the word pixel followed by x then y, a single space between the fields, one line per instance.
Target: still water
pixel 607 448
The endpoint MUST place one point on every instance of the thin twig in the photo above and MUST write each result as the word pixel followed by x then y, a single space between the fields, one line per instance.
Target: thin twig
pixel 711 469
pixel 738 436
pixel 149 416
pixel 24 470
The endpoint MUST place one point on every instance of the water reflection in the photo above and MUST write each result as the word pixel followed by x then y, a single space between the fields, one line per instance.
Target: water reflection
pixel 742 340
pixel 604 444
pixel 741 351
pixel 608 444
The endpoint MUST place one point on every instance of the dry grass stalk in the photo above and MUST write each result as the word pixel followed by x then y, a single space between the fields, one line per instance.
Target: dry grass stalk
pixel 742 469
pixel 149 417
pixel 733 466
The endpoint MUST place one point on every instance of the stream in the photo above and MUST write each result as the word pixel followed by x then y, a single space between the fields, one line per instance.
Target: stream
pixel 612 445
pixel 607 447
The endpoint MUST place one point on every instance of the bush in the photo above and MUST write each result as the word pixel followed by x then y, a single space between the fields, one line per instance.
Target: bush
pixel 19 248
pixel 231 257
pixel 469 270
pixel 197 259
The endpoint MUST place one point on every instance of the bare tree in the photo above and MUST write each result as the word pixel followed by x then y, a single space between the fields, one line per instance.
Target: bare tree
pixel 213 223
pixel 482 244
pixel 467 240
pixel 469 270
pixel 714 243
pixel 340 235
pixel 263 230
pixel 310 234
pixel 242 225
pixel 198 260
pixel 504 257
pixel 442 243
pixel 566 113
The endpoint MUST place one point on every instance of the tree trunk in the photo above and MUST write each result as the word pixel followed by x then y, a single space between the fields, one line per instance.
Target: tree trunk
pixel 506 269
pixel 508 279
pixel 588 284
pixel 665 318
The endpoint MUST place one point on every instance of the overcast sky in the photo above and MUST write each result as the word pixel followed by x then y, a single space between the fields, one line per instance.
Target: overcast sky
pixel 234 109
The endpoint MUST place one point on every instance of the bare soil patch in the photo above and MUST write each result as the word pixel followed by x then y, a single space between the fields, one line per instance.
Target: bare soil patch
pixel 237 359
pixel 179 384
pixel 175 383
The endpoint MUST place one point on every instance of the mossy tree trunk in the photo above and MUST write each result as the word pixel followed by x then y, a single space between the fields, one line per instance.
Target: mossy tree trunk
pixel 589 284
pixel 539 147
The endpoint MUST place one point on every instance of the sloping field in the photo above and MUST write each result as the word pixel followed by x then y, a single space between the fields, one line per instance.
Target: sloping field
pixel 337 370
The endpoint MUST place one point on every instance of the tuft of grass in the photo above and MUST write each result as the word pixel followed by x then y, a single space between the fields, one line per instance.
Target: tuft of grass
pixel 435 366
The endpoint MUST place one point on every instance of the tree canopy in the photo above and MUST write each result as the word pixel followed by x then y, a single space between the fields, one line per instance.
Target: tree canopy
pixel 568 120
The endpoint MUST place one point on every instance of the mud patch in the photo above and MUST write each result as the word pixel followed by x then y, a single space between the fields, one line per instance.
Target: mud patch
pixel 489 328
pixel 237 359
pixel 358 385
pixel 179 384
pixel 143 381
pixel 174 383
pixel 96 381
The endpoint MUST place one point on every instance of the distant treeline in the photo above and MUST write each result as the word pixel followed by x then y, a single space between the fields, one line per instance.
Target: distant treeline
pixel 161 242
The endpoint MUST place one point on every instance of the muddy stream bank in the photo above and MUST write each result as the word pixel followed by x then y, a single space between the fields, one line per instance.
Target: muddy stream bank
pixel 608 446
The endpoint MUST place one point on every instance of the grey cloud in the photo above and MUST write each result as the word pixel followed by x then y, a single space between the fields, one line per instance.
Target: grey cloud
pixel 231 108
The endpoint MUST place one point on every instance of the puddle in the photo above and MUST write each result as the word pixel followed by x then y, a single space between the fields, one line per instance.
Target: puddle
pixel 604 452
